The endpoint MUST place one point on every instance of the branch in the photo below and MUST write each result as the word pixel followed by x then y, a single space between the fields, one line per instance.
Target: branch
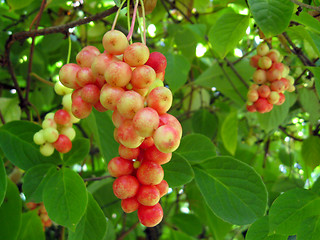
pixel 96 178
pixel 236 72
pixel 301 4
pixel 284 130
pixel 124 234
pixel 2 118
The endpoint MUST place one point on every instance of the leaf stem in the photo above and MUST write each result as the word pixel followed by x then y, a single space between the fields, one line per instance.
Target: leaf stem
pixel 117 15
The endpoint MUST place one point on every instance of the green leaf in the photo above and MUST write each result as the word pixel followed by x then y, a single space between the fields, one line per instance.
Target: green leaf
pixel 186 42
pixel 80 149
pixel 34 181
pixel 232 189
pixel 271 120
pixel 188 223
pixel 110 232
pixel 16 141
pixel 285 157
pixel 309 229
pixel 177 235
pixel 316 186
pixel 229 29
pixel 272 16
pixel 229 132
pixel 311 152
pixel 178 171
pixel 310 103
pixel 65 198
pixel 10 213
pixel 174 78
pixel 196 148
pixel 92 225
pixel 291 208
pixel 205 122
pixel 31 227
pixel 10 109
pixel 3 181
pixel 18 4
pixel 306 19
pixel 108 146
pixel 316 73
pixel 260 230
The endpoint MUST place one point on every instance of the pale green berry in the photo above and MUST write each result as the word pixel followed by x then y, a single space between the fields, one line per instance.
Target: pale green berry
pixel 74 119
pixel 61 89
pixel 50 134
pixel 69 132
pixel 67 102
pixel 38 138
pixel 49 123
pixel 47 149
pixel 49 115
pixel 154 84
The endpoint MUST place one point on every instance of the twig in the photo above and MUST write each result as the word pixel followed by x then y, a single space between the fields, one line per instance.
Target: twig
pixel 301 4
pixel 169 14
pixel 96 178
pixel 284 130
pixel 42 79
pixel 124 234
pixel 183 14
pixel 244 56
pixel 236 72
pixel 43 4
pixel 2 118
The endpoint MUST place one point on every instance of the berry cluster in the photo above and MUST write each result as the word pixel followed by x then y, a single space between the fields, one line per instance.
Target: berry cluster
pixel 57 131
pixel 42 212
pixel 271 80
pixel 128 80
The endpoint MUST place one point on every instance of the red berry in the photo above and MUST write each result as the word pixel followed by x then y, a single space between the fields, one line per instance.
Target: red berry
pixel 119 166
pixel 125 187
pixel 150 216
pixel 150 173
pixel 129 205
pixel 63 144
pixel 62 117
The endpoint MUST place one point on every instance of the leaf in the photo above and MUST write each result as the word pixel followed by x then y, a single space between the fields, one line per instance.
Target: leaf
pixel 110 232
pixel 10 109
pixel 271 120
pixel 178 171
pixel 174 78
pixel 177 235
pixel 108 146
pixel 309 229
pixel 310 103
pixel 291 208
pixel 31 227
pixel 188 223
pixel 260 230
pixel 65 198
pixel 232 189
pixel 229 132
pixel 196 148
pixel 316 186
pixel 306 19
pixel 205 122
pixel 285 157
pixel 316 73
pixel 16 141
pixel 10 213
pixel 3 181
pixel 229 29
pixel 272 16
pixel 92 225
pixel 34 181
pixel 80 149
pixel 186 42
pixel 18 4
pixel 311 152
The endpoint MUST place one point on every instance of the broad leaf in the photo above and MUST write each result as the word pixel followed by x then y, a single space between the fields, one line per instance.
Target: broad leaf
pixel 31 227
pixel 260 230
pixel 311 152
pixel 272 16
pixel 310 103
pixel 80 149
pixel 65 198
pixel 10 109
pixel 309 21
pixel 229 132
pixel 177 235
pixel 227 32
pixel 16 141
pixel 232 189
pixel 188 223
pixel 92 225
pixel 196 148
pixel 205 122
pixel 316 73
pixel 34 181
pixel 178 171
pixel 174 77
pixel 3 181
pixel 10 213
pixel 309 229
pixel 18 4
pixel 291 208
pixel 186 42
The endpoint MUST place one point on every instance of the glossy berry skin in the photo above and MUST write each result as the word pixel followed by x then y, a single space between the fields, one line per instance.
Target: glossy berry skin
pixel 129 205
pixel 68 75
pixel 85 76
pixel 115 42
pixel 163 187
pixel 125 187
pixel 128 153
pixel 129 104
pixel 137 54
pixel 147 142
pixel 119 166
pixel 254 61
pixel 109 96
pixel 148 195
pixel 154 155
pixel 118 74
pixel 166 139
pixel 80 108
pixel 168 119
pixel 146 121
pixel 282 98
pixel 62 117
pixel 262 105
pixel 157 61
pixel 127 135
pixel 86 56
pixel 90 93
pixel 160 99
pixel 150 216
pixel 150 173
pixel 143 76
pixel 63 144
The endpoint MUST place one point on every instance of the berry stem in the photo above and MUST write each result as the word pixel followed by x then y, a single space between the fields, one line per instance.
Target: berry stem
pixel 117 15
pixel 69 49
pixel 128 17
pixel 140 28
pixel 144 22
pixel 133 20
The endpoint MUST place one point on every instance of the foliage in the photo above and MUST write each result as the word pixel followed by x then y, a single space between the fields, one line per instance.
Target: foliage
pixel 236 175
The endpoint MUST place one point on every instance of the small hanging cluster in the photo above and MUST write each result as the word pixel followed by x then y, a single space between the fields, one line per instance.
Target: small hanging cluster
pixel 271 80
pixel 57 131
pixel 42 213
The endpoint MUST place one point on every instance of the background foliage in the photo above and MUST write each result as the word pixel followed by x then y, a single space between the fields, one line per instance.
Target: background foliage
pixel 236 175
